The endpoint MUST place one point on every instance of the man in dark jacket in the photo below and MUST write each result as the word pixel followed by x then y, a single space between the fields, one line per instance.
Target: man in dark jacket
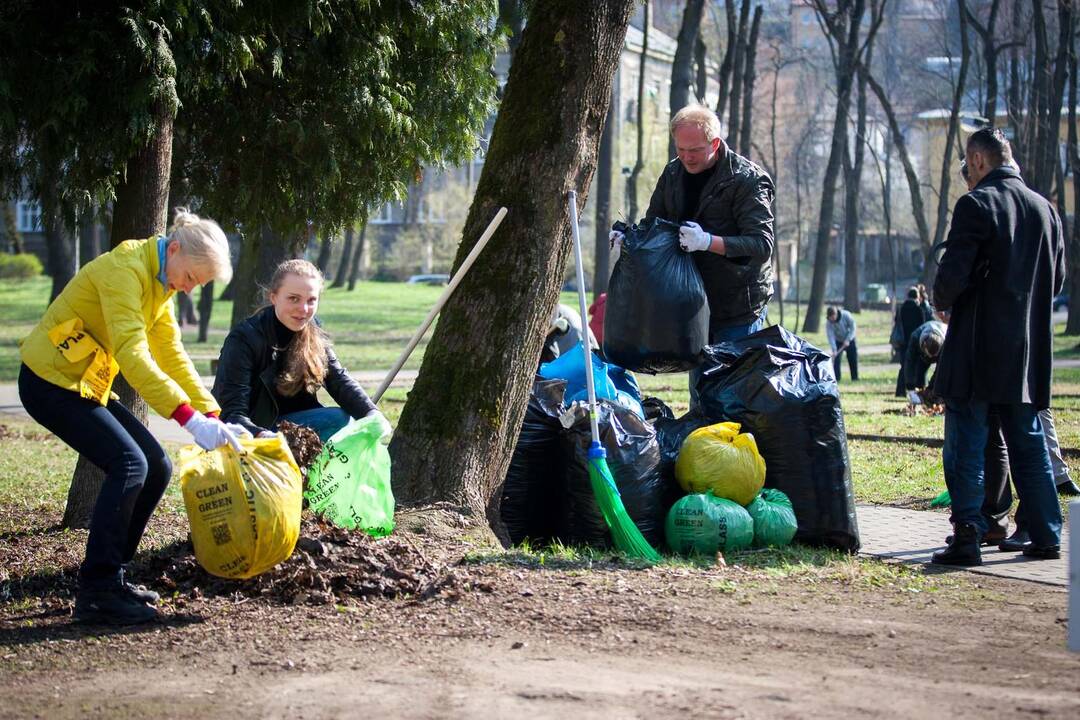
pixel 1004 261
pixel 724 203
pixel 909 316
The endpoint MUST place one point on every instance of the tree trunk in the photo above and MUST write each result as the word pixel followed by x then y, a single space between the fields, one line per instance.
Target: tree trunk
pixel 346 257
pixel 947 169
pixel 701 68
pixel 324 254
pixel 206 309
pixel 748 85
pixel 779 65
pixel 1072 257
pixel 724 78
pixel 89 236
pixel 461 422
pixel 60 264
pixel 138 212
pixel 358 256
pixel 682 67
pixel 639 163
pixel 847 52
pixel 918 207
pixel 735 98
pixel 852 186
pixel 259 257
pixel 604 179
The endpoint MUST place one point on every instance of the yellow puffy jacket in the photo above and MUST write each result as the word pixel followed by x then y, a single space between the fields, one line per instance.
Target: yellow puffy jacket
pixel 125 308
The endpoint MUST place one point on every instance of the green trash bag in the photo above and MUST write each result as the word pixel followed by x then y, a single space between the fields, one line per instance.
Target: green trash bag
pixel 703 524
pixel 774 518
pixel 349 482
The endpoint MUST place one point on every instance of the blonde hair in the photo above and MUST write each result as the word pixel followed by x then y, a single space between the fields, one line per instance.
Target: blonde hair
pixel 306 356
pixel 203 241
pixel 698 116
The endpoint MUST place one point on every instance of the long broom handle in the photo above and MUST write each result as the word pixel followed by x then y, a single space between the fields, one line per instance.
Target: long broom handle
pixel 454 282
pixel 581 301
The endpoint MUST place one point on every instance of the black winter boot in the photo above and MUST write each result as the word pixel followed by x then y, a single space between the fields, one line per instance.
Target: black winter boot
pixel 963 551
pixel 111 604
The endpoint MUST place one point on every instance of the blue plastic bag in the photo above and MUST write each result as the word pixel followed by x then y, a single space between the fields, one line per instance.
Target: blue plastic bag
pixel 611 381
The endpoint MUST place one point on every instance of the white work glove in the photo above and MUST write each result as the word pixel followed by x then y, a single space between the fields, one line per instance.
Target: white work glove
pixel 266 434
pixel 913 397
pixel 692 238
pixel 238 430
pixel 615 238
pixel 210 433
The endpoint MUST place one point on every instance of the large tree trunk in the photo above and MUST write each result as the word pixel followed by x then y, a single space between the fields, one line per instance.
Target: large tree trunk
pixel 461 423
pixel 89 236
pixel 323 260
pixel 259 257
pixel 139 212
pixel 358 256
pixel 947 168
pixel 346 257
pixel 749 80
pixel 847 41
pixel 735 96
pixel 604 180
pixel 852 188
pixel 1072 257
pixel 724 78
pixel 682 67
pixel 58 245
pixel 639 163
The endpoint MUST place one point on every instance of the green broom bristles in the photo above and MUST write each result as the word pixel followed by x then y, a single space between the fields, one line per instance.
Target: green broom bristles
pixel 624 532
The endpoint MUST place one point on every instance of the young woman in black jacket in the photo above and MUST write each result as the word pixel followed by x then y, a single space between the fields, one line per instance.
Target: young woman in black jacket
pixel 273 363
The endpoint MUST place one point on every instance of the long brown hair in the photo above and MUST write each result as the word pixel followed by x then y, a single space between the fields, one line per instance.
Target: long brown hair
pixel 305 357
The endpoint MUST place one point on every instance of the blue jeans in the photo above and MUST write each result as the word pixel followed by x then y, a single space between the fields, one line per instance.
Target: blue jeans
pixel 719 335
pixel 966 430
pixel 137 470
pixel 324 420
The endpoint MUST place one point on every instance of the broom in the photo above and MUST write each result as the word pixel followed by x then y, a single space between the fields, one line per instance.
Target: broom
pixel 624 532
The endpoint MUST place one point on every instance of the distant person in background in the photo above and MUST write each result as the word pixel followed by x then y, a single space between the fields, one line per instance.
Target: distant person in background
pixel 840 330
pixel 273 364
pixel 923 349
pixel 909 317
pixel 924 303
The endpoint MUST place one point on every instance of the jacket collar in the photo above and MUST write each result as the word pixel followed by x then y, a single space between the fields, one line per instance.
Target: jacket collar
pixel 1001 172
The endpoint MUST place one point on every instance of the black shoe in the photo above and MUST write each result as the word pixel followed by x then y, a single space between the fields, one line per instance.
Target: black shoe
pixel 112 605
pixel 990 539
pixel 1045 552
pixel 1068 489
pixel 140 592
pixel 1015 542
pixel 963 551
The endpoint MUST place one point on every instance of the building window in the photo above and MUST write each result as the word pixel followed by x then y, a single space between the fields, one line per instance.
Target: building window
pixel 28 216
pixel 383 216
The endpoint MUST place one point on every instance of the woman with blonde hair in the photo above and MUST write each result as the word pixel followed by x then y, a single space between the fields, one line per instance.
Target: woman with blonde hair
pixel 273 363
pixel 117 315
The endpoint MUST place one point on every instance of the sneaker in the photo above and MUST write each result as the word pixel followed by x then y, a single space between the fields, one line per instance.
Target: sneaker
pixel 111 605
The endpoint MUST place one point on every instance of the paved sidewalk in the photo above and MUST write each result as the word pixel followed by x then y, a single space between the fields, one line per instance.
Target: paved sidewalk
pixel 912 536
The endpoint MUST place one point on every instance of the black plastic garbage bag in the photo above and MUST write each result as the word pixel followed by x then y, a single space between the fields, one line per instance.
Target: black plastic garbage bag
pixel 657 316
pixel 634 458
pixel 532 490
pixel 671 433
pixel 782 389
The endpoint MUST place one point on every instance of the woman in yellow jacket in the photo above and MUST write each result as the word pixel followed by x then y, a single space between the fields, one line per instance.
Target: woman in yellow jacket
pixel 116 315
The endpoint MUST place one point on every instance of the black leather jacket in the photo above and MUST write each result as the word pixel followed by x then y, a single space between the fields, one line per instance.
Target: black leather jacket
pixel 245 377
pixel 736 203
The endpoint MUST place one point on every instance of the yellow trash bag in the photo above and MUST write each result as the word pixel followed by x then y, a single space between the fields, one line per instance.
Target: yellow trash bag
pixel 721 459
pixel 244 508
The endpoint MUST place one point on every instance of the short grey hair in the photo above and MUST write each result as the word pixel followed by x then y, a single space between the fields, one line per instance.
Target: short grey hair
pixel 698 116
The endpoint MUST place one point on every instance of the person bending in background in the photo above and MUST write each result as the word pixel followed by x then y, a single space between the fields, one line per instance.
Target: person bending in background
pixel 117 315
pixel 840 330
pixel 909 317
pixel 273 363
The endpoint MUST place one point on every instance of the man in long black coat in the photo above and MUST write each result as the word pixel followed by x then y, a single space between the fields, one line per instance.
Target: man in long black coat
pixel 1003 263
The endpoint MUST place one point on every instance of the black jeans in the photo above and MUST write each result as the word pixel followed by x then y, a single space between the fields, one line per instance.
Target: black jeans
pixel 136 467
pixel 852 361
